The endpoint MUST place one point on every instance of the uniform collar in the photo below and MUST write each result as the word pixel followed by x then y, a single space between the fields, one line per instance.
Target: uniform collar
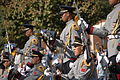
pixel 31 36
pixel 36 65
pixel 117 5
pixel 69 21
pixel 73 59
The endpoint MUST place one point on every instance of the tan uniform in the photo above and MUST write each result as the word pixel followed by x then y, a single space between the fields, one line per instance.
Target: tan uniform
pixel 36 73
pixel 108 28
pixel 82 72
pixel 33 42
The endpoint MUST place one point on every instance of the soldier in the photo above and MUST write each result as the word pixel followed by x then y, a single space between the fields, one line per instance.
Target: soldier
pixel 81 70
pixel 110 30
pixel 38 70
pixel 68 34
pixel 67 37
pixel 33 42
pixel 4 68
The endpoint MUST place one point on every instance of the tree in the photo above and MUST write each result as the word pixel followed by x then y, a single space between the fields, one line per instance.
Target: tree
pixel 44 14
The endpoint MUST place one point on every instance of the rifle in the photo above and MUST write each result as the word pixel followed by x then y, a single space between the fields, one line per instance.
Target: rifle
pixel 83 35
pixel 9 47
pixel 46 36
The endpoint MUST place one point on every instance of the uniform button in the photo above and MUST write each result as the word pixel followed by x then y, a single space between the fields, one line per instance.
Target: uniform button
pixel 109 17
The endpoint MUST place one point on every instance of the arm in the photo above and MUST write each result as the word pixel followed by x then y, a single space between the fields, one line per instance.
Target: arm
pixel 101 32
pixel 71 73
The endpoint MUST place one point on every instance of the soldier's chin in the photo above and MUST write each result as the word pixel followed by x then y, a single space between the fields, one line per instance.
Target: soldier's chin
pixel 33 62
pixel 76 54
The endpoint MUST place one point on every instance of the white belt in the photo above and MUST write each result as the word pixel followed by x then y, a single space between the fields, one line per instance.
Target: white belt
pixel 27 57
pixel 113 36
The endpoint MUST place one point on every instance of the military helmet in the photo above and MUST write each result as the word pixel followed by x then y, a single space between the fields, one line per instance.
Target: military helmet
pixel 77 41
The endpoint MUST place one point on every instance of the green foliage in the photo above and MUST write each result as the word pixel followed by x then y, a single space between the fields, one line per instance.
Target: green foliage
pixel 43 14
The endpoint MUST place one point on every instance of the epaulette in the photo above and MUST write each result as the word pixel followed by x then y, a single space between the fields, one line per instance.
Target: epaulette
pixel 41 68
pixel 13 52
pixel 34 41
pixel 75 27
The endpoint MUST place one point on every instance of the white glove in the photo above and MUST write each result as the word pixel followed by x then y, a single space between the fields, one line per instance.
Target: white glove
pixel 21 71
pixel 118 58
pixel 71 64
pixel 55 62
pixel 85 24
pixel 47 72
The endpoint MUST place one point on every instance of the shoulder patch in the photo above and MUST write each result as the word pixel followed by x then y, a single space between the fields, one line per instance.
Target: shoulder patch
pixel 75 27
pixel 41 68
pixel 83 70
pixel 34 73
pixel 34 41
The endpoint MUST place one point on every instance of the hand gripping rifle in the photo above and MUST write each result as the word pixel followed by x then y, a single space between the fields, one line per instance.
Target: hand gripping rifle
pixel 83 35
pixel 47 36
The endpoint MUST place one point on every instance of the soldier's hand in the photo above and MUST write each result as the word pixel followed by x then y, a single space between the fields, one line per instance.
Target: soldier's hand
pixel 22 64
pixel 47 72
pixel 113 25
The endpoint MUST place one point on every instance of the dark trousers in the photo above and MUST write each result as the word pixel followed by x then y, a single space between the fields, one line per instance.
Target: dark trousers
pixel 112 68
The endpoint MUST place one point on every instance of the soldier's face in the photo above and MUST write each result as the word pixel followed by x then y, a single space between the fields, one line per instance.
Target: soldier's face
pixel 65 16
pixel 7 63
pixel 28 33
pixel 78 50
pixel 35 60
pixel 113 2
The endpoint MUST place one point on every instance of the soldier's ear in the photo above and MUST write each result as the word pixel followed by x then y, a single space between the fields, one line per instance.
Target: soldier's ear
pixel 67 14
